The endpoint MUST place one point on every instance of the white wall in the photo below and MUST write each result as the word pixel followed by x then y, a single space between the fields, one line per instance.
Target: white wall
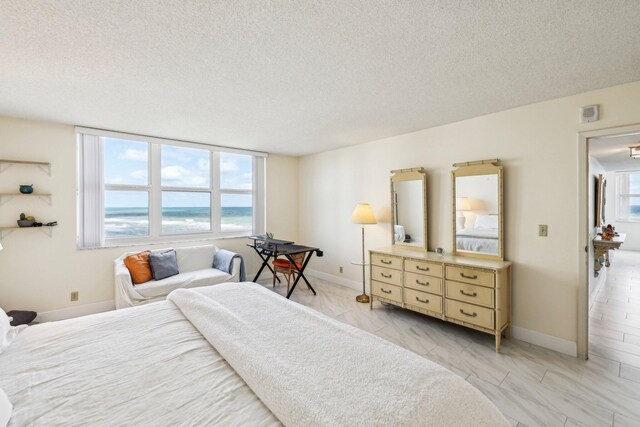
pixel 538 146
pixel 38 272
pixel 631 229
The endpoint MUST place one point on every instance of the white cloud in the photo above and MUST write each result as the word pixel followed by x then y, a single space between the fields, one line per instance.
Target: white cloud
pixel 183 177
pixel 137 155
pixel 139 174
pixel 228 166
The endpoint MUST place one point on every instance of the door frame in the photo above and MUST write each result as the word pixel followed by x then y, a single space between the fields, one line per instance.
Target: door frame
pixel 584 269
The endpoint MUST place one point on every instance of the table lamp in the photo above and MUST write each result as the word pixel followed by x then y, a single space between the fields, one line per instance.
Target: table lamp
pixel 462 205
pixel 363 215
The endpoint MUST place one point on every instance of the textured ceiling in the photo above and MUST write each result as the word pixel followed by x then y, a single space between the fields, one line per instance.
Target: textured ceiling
pixel 299 77
pixel 613 152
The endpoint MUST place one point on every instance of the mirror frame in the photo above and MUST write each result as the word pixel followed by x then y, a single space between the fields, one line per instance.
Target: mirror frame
pixel 412 174
pixel 480 167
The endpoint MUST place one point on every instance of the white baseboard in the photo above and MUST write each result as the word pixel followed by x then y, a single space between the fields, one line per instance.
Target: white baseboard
pixel 543 340
pixel 334 279
pixel 76 311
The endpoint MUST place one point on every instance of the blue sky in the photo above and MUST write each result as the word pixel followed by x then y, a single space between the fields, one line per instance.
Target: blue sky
pixel 127 162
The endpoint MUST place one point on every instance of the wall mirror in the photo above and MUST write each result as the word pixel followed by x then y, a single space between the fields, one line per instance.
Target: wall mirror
pixel 478 209
pixel 409 208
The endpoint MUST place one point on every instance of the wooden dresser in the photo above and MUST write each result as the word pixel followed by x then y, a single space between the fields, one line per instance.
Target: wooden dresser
pixel 471 292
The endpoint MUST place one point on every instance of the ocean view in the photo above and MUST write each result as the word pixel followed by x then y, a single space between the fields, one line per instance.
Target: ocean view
pixel 123 222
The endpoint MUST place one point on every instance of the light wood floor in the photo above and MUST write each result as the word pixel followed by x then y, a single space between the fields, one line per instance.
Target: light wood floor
pixel 532 386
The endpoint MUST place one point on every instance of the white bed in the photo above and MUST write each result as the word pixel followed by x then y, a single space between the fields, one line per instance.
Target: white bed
pixel 477 240
pixel 163 364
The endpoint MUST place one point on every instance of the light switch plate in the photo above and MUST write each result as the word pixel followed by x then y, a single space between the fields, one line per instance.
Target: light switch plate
pixel 543 230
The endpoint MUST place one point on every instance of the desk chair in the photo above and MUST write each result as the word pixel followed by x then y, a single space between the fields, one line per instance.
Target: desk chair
pixel 282 265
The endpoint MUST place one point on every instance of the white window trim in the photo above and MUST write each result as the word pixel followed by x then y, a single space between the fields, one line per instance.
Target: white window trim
pixel 622 180
pixel 155 192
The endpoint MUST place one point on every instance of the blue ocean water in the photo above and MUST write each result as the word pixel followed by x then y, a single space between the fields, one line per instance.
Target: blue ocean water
pixel 124 222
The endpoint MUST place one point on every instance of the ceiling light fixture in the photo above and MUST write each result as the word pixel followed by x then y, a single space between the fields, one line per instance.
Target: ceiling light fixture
pixel 634 152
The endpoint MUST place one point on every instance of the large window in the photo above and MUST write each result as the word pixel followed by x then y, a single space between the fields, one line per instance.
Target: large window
pixel 628 196
pixel 149 189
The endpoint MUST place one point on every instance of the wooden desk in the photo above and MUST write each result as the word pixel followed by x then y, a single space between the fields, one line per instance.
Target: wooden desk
pixel 601 250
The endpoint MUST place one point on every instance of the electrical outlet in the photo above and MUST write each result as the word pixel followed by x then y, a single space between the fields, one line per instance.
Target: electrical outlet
pixel 543 230
pixel 340 269
pixel 75 295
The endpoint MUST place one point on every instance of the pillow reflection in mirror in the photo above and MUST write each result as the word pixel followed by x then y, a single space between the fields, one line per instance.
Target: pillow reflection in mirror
pixel 486 222
pixel 398 232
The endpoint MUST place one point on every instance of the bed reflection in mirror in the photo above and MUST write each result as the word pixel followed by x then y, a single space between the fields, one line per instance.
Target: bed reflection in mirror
pixel 409 215
pixel 409 208
pixel 477 225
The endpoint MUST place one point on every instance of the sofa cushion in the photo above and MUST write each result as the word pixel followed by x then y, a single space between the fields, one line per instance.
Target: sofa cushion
pixel 191 279
pixel 163 264
pixel 194 258
pixel 139 268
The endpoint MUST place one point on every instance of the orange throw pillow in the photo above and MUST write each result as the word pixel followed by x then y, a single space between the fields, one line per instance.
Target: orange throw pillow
pixel 138 265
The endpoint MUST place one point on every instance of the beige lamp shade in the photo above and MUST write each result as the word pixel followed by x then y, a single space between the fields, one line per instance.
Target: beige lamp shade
pixel 363 214
pixel 462 204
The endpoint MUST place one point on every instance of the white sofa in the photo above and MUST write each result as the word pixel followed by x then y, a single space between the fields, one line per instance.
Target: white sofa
pixel 194 267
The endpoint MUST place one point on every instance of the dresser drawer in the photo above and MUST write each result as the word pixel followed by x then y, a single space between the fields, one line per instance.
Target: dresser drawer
pixel 423 300
pixel 469 313
pixel 420 282
pixel 470 293
pixel 385 290
pixel 386 261
pixel 470 275
pixel 386 275
pixel 423 267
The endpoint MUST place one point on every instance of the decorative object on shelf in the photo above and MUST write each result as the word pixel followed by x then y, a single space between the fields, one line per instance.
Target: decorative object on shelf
pixel 269 235
pixel 601 248
pixel 26 188
pixel 26 221
pixel 608 232
pixel 363 215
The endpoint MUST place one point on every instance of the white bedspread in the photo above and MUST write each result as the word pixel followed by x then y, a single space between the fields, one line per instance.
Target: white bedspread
pixel 311 370
pixel 142 366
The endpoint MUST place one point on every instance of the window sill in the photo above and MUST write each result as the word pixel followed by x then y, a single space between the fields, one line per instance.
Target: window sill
pixel 167 241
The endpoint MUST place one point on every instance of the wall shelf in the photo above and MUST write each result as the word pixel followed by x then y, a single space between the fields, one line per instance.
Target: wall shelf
pixel 6 164
pixel 46 229
pixel 5 197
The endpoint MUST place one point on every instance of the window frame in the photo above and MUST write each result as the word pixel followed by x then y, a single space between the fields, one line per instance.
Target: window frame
pixel 155 191
pixel 622 198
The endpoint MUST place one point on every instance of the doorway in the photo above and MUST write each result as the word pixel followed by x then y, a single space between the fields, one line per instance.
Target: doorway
pixel 609 297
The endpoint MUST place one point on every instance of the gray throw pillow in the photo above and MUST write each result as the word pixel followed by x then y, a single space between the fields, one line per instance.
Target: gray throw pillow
pixel 163 264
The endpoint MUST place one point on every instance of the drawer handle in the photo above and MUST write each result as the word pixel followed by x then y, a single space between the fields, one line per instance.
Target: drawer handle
pixel 385 262
pixel 425 301
pixel 388 276
pixel 468 314
pixel 472 294
pixel 385 291
pixel 474 277
pixel 422 283
pixel 421 268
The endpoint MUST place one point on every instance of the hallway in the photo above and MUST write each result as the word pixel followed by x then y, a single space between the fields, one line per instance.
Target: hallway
pixel 614 316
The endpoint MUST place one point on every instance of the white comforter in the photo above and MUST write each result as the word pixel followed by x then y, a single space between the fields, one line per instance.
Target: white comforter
pixel 149 366
pixel 311 370
pixel 142 366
